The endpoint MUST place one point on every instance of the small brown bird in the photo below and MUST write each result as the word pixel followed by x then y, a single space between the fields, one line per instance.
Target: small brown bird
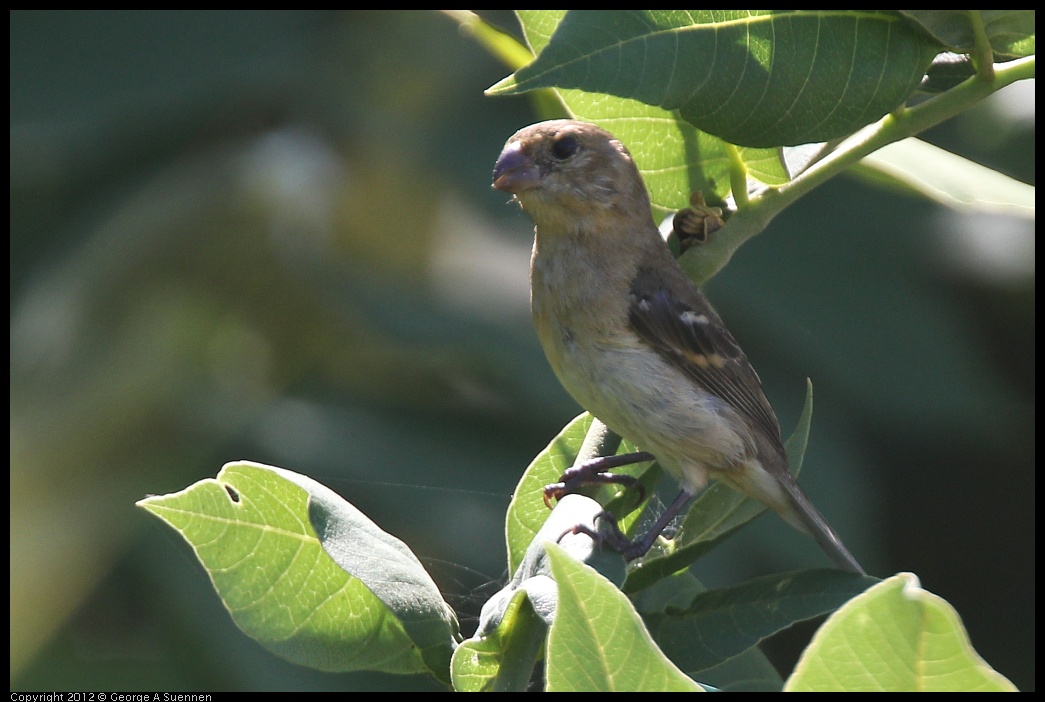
pixel 632 338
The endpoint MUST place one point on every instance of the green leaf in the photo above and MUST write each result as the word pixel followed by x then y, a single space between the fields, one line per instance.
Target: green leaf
pixel 539 26
pixel 751 671
pixel 501 660
pixel 715 514
pixel 310 577
pixel 1010 32
pixel 598 642
pixel 949 179
pixel 744 615
pixel 757 78
pixel 675 158
pixel 896 637
pixel 746 672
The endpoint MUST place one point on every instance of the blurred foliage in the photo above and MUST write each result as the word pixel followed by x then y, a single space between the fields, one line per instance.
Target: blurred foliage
pixel 270 236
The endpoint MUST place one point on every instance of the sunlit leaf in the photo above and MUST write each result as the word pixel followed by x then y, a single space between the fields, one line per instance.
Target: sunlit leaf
pixel 896 637
pixel 501 660
pixel 309 576
pixel 598 642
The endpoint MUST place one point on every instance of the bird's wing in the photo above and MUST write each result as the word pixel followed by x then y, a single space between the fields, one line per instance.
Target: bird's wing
pixel 691 336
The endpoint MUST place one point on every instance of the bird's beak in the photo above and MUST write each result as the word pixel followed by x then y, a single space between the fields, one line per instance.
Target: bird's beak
pixel 514 171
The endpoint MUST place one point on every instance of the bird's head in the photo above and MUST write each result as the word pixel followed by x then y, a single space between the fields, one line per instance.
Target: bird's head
pixel 568 169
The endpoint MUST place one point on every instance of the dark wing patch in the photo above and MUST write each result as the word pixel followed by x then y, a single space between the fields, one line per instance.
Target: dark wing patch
pixel 693 338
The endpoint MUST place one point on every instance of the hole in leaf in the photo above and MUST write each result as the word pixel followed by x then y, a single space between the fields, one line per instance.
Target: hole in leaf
pixel 232 493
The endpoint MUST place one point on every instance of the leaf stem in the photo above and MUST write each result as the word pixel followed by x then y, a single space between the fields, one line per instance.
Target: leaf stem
pixel 737 176
pixel 982 55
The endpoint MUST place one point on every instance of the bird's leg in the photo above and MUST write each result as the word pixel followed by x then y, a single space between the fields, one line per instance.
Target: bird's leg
pixel 595 472
pixel 616 539
pixel 639 547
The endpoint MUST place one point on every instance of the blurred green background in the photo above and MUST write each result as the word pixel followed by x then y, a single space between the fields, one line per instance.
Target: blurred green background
pixel 271 236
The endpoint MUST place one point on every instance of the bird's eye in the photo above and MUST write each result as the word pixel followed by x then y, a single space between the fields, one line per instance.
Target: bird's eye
pixel 565 147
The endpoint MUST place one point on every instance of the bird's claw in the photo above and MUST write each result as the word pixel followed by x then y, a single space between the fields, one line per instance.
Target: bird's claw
pixel 610 536
pixel 590 473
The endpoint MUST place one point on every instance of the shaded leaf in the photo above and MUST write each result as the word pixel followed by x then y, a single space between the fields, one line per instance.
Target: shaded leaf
pixel 744 615
pixel 1010 32
pixel 756 78
pixel 749 671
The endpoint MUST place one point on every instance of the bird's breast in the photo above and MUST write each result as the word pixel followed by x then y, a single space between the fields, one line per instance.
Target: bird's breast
pixel 617 377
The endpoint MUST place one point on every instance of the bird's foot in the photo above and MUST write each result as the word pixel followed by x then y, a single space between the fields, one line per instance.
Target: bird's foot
pixel 596 472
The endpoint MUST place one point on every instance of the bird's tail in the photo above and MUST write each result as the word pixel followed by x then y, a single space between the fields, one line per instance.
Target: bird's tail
pixel 777 488
pixel 801 514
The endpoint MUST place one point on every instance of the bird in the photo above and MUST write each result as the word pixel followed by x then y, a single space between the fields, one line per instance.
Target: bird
pixel 633 339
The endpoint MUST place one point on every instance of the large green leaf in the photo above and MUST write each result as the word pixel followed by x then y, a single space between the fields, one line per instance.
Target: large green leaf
pixel 757 78
pixel 309 576
pixel 598 642
pixel 896 637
